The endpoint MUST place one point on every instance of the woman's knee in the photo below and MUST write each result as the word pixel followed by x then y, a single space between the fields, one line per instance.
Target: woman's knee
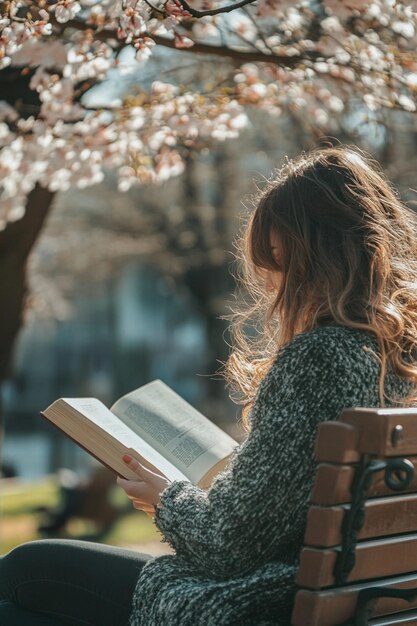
pixel 19 562
pixel 11 566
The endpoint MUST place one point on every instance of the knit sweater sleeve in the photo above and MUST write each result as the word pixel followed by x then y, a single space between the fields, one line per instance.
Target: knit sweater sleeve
pixel 260 501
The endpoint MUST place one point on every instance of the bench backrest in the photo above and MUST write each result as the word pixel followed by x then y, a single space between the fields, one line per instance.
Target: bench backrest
pixel 361 534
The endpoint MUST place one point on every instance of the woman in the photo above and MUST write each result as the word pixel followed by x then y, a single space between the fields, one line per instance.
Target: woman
pixel 330 259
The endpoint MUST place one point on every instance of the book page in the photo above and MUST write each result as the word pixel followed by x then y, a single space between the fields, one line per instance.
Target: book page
pixel 97 413
pixel 174 428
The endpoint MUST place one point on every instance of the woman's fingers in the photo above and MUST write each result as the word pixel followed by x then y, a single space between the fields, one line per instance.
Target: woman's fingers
pixel 142 503
pixel 139 468
pixel 147 488
pixel 134 489
pixel 147 508
pixel 142 506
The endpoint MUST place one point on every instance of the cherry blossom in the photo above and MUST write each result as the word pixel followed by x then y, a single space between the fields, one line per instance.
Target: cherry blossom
pixel 66 10
pixel 308 58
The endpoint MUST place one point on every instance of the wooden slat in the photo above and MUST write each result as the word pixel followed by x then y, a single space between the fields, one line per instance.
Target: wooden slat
pixel 375 428
pixel 383 516
pixel 366 431
pixel 337 443
pixel 333 483
pixel 374 559
pixel 336 606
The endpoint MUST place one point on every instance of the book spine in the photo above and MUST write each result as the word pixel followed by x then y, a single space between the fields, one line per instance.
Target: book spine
pixel 100 460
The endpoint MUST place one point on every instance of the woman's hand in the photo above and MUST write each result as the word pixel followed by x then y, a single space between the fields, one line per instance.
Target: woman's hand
pixel 145 491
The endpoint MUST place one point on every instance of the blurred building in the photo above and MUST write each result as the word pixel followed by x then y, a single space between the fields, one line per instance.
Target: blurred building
pixel 124 333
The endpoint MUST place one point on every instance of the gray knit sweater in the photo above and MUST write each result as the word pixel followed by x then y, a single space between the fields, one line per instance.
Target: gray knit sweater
pixel 237 544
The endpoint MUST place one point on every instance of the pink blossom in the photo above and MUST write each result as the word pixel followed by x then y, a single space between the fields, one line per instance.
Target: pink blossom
pixel 183 42
pixel 65 144
pixel 66 10
pixel 175 10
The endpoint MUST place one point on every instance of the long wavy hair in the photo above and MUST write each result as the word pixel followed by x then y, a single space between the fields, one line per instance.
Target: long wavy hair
pixel 349 257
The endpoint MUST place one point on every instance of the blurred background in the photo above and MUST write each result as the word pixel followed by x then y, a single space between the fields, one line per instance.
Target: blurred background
pixel 129 287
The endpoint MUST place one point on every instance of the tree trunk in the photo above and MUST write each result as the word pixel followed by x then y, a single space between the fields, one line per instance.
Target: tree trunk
pixel 16 243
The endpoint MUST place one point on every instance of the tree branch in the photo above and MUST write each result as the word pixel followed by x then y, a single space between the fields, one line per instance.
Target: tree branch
pixel 260 33
pixel 200 48
pixel 242 56
pixel 151 6
pixel 238 55
pixel 227 9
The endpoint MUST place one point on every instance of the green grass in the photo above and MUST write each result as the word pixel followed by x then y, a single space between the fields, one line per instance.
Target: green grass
pixel 18 498
pixel 19 517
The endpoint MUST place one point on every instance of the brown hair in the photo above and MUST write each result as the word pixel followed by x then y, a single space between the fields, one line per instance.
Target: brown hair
pixel 349 257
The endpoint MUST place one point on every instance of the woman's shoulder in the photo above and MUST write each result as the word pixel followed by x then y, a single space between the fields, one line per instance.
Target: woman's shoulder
pixel 335 362
pixel 339 363
pixel 330 344
pixel 335 332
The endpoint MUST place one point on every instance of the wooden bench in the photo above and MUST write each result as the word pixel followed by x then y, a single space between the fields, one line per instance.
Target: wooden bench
pixel 359 562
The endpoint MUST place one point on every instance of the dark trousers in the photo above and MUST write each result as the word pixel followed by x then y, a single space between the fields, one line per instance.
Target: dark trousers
pixel 63 581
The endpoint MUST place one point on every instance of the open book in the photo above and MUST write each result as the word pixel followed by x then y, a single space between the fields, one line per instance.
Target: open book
pixel 154 425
